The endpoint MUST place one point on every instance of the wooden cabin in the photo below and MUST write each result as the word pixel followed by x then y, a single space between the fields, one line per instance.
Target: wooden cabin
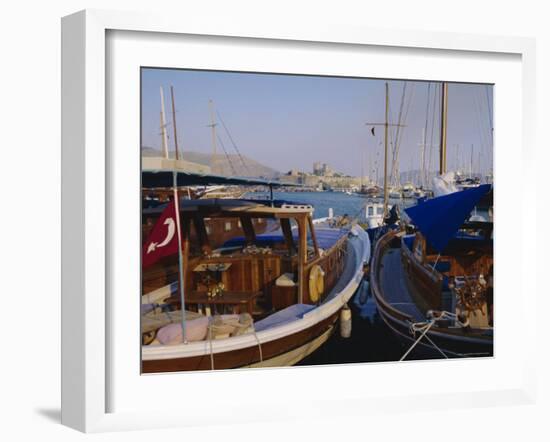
pixel 219 230
pixel 256 272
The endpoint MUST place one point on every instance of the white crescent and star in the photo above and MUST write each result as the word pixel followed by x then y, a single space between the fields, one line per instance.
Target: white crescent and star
pixel 169 235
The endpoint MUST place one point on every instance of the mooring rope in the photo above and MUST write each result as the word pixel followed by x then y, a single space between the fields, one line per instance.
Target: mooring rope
pixel 425 327
pixel 259 344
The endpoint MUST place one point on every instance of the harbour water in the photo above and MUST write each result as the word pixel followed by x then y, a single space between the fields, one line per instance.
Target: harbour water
pixel 341 203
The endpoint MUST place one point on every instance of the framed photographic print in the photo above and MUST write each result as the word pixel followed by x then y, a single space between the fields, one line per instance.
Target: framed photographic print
pixel 252 214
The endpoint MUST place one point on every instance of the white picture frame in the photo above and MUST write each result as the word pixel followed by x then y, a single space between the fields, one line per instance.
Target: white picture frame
pixel 86 316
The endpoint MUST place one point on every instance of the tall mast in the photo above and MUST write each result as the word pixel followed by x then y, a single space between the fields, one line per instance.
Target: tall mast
pixel 480 169
pixel 376 165
pixel 423 160
pixel 174 122
pixel 212 125
pixel 362 169
pixel 443 145
pixel 386 124
pixel 164 135
pixel 472 162
pixel 178 222
pixel 386 152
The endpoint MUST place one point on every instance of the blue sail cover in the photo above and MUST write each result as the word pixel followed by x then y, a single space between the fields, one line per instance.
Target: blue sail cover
pixel 440 218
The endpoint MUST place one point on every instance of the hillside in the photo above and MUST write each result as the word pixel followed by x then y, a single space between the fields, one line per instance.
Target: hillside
pixel 250 168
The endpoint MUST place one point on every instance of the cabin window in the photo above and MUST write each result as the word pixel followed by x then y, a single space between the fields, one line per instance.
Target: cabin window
pixel 380 210
pixel 239 224
pixel 208 230
pixel 370 211
pixel 227 226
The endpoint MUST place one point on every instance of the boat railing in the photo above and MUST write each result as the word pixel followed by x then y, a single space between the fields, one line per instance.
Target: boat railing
pixel 332 262
pixel 428 271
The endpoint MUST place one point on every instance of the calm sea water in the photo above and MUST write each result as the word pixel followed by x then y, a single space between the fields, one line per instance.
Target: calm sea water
pixel 371 340
pixel 340 202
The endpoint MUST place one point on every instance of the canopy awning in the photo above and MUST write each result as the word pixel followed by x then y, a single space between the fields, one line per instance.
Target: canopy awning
pixel 440 218
pixel 157 179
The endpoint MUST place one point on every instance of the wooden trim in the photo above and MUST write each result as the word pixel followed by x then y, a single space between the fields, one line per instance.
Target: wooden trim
pixel 313 236
pixel 287 232
pixel 302 257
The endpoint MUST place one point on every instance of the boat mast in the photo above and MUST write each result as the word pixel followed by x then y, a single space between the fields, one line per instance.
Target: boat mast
pixel 164 135
pixel 180 255
pixel 386 152
pixel 443 145
pixel 213 125
pixel 178 223
pixel 362 169
pixel 423 156
pixel 386 124
pixel 174 121
pixel 472 162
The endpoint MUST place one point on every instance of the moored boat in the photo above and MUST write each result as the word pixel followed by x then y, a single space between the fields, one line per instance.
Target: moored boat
pixel 374 213
pixel 258 300
pixel 433 288
pixel 408 190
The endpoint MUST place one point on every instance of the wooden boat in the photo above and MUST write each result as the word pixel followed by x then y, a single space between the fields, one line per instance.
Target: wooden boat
pixel 444 291
pixel 292 283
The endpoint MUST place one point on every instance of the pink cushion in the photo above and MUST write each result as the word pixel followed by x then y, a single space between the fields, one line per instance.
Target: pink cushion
pixel 195 330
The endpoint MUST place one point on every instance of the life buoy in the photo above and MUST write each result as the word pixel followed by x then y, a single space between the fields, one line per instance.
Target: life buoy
pixel 316 283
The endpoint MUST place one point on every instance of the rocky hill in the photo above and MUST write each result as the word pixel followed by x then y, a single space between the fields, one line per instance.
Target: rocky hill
pixel 232 165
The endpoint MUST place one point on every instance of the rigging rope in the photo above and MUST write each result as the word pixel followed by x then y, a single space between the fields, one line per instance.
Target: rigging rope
pixel 233 143
pixel 404 108
pixel 490 113
pixel 431 156
pixel 394 172
pixel 424 156
pixel 227 156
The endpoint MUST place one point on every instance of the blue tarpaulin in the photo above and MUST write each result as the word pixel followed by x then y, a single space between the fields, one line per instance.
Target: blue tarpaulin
pixel 440 218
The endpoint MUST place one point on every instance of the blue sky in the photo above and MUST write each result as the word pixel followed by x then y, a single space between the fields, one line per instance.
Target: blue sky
pixel 290 121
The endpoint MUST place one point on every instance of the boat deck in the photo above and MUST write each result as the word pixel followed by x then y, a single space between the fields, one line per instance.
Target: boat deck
pixel 296 311
pixel 394 285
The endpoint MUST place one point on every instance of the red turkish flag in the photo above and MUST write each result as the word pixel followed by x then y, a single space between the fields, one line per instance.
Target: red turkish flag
pixel 163 240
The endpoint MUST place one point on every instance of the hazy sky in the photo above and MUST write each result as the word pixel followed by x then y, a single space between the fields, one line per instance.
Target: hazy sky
pixel 289 121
